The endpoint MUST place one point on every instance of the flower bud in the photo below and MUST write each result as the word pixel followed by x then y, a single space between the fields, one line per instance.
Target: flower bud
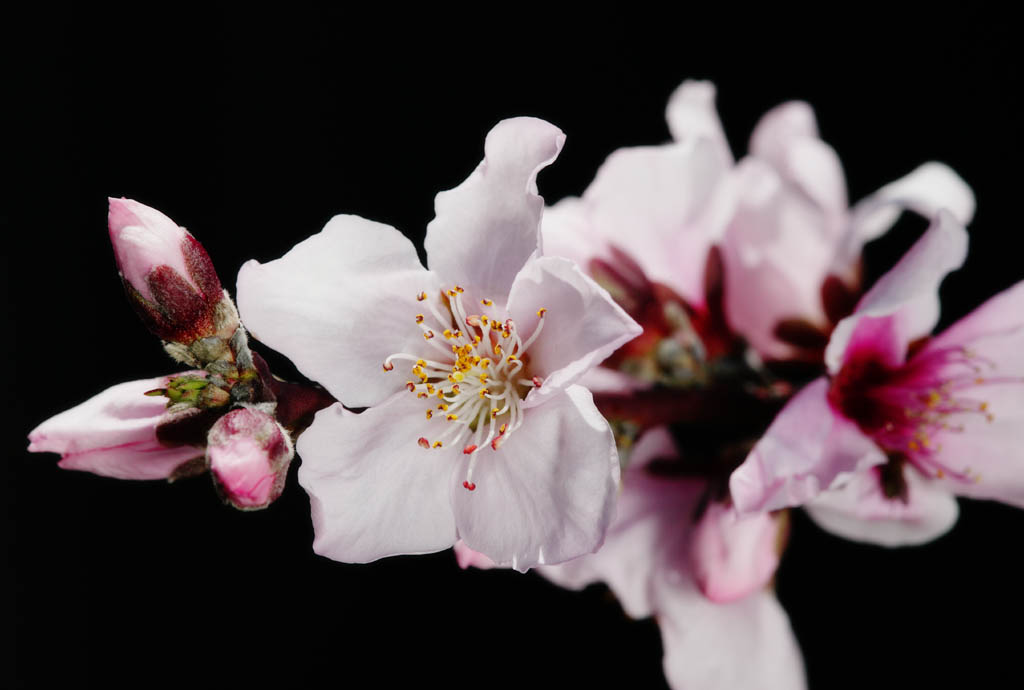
pixel 169 277
pixel 249 454
pixel 733 556
pixel 115 434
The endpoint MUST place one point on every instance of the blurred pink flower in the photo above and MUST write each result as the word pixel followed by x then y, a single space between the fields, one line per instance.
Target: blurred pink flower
pixel 115 433
pixel 706 579
pixel 790 244
pixel 493 442
pixel 878 449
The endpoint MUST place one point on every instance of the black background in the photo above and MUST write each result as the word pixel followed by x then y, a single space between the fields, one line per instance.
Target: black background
pixel 252 131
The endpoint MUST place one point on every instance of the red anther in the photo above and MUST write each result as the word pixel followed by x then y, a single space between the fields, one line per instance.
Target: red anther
pixel 468 450
pixel 420 297
pixel 411 386
pixel 536 381
pixel 387 366
pixel 496 443
pixel 469 485
pixel 424 443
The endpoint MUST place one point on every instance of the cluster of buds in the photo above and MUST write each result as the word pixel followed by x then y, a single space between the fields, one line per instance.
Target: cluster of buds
pixel 228 414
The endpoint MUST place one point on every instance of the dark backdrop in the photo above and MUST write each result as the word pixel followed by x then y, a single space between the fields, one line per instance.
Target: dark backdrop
pixel 252 131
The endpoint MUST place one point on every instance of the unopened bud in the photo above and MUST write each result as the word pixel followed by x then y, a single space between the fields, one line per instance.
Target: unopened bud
pixel 249 454
pixel 168 275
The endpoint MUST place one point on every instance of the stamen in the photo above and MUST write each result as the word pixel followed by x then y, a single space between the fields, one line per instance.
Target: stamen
pixel 424 443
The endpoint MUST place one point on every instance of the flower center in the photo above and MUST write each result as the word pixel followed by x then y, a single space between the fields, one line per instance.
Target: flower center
pixel 905 409
pixel 474 378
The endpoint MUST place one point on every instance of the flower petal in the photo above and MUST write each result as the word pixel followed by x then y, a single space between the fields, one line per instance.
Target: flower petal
pixel 547 494
pixel 732 556
pixel 745 644
pixel 787 137
pixel 338 303
pixel 908 293
pixel 468 558
pixel 858 510
pixel 373 491
pixel 691 114
pixel 925 190
pixel 806 450
pixel 661 205
pixel 651 515
pixel 114 434
pixel 486 228
pixel 568 232
pixel 582 325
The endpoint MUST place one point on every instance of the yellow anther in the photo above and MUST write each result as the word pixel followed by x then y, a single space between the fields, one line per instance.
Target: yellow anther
pixel 440 395
pixel 476 340
pixel 458 288
pixel 430 389
pixel 456 389
pixel 421 363
pixel 485 363
pixel 421 395
pixel 448 333
pixel 451 293
pixel 428 335
pixel 443 407
pixel 430 413
pixel 933 399
pixel 506 333
pixel 483 378
pixel 511 358
pixel 494 412
pixel 501 429
pixel 541 312
pixel 458 376
pixel 437 444
pixel 420 297
pixel 497 349
pixel 458 334
pixel 983 406
pixel 484 392
pixel 452 417
pixel 419 318
pixel 487 302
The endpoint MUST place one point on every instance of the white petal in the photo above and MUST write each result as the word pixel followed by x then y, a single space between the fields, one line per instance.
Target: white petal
pixel 486 228
pixel 338 303
pixel 582 324
pixel 745 644
pixel 859 510
pixel 691 114
pixel 373 491
pixel 546 495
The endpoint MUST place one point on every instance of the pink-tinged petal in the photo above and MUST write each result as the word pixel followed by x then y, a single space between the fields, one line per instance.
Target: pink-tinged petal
pixel 652 516
pixel 733 556
pixel 568 232
pixel 777 250
pixel 373 490
pixel 787 137
pixel 908 293
pixel 860 511
pixel 468 558
pixel 691 114
pixel 993 330
pixel 338 304
pixel 806 450
pixel 661 205
pixel 248 453
pixel 925 190
pixel 486 228
pixel 988 446
pixel 547 494
pixel 148 459
pixel 709 646
pixel 114 434
pixel 604 380
pixel 581 324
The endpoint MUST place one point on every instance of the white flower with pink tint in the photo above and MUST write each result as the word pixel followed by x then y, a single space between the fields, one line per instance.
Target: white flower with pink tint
pixel 476 427
pixel 789 243
pixel 115 433
pixel 248 453
pixel 902 423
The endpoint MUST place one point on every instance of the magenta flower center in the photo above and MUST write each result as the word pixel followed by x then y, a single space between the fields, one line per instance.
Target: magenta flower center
pixel 907 409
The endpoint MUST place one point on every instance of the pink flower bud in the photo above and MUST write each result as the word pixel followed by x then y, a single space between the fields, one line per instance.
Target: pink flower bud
pixel 114 434
pixel 249 454
pixel 733 556
pixel 168 276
